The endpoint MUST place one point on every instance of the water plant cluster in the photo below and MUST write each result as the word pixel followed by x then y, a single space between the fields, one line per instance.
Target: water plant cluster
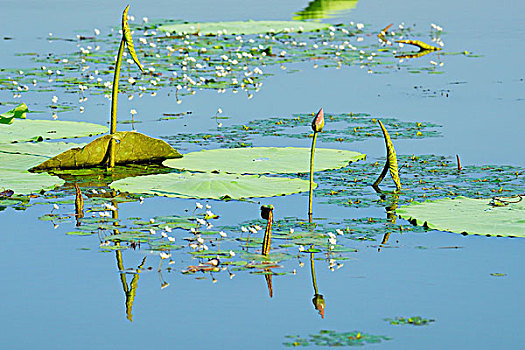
pixel 181 59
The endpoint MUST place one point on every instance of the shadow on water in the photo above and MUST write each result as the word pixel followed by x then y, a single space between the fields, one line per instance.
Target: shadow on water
pixel 320 9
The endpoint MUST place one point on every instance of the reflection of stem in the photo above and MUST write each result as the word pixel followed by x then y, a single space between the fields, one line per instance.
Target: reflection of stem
pixel 114 97
pixel 318 299
pixel 132 290
pixel 312 270
pixel 312 153
pixel 268 277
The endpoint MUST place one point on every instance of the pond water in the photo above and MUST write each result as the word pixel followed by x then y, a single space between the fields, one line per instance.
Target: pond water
pixel 63 291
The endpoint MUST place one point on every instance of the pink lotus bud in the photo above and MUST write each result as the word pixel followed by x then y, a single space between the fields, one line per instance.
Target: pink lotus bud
pixel 318 122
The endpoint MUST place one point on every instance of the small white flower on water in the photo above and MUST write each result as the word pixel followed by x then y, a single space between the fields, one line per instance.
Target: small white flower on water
pixel 301 248
pixel 252 229
pixel 81 109
pixel 133 112
pixel 244 229
pixel 151 221
pixel 222 234
pixel 232 253
pixel 193 246
pixel 339 231
pixel 209 226
pixel 97 31
pixel 201 221
pixel 292 231
pixel 171 239
pixel 198 205
pixel 55 206
pixel 204 247
pixel 131 80
pixel 165 255
pixel 257 227
pixel 209 212
pixel 167 229
pixel 94 191
pixel 163 234
pixel 331 235
pixel 102 190
pixel 219 111
pixel 192 230
pixel 145 19
pixel 152 231
pixel 332 241
pixel 55 116
pixel 208 206
pixel 360 26
pixel 434 63
pixel 200 240
pixel 54 99
pixel 141 199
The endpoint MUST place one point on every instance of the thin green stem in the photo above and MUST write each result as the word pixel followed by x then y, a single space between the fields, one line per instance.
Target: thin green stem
pixel 312 269
pixel 114 100
pixel 312 153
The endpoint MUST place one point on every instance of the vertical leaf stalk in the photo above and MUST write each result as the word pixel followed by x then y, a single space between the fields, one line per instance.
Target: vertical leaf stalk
pixel 312 153
pixel 114 98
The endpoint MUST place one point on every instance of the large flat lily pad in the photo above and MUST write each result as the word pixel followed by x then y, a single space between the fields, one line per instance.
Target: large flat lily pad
pixel 243 27
pixel 38 130
pixel 264 160
pixel 209 185
pixel 505 217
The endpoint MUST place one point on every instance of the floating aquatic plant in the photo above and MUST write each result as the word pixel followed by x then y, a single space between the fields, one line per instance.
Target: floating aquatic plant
pixel 414 321
pixel 334 339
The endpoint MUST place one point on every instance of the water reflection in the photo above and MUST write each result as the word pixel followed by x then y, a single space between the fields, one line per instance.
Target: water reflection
pixel 130 291
pixel 391 215
pixel 319 9
pixel 318 299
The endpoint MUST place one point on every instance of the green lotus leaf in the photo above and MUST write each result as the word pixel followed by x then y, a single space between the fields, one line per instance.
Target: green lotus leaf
pixel 26 182
pixel 38 130
pixel 505 217
pixel 209 185
pixel 132 147
pixel 17 112
pixel 264 160
pixel 319 9
pixel 243 27
pixel 16 158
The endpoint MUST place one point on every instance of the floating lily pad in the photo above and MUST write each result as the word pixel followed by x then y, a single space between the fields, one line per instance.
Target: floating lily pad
pixel 244 27
pixel 414 321
pixel 17 112
pixel 132 147
pixel 332 338
pixel 207 185
pixel 264 160
pixel 15 159
pixel 38 130
pixel 504 217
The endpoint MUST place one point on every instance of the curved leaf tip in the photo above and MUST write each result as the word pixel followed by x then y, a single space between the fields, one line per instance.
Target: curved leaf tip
pixel 129 40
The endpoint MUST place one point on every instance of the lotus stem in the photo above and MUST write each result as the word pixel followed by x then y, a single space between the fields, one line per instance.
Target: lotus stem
pixel 312 270
pixel 79 205
pixel 114 98
pixel 310 198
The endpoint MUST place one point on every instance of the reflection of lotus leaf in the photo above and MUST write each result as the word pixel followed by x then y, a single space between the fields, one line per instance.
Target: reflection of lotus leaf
pixel 35 130
pixel 264 160
pixel 243 27
pixel 472 216
pixel 319 9
pixel 208 185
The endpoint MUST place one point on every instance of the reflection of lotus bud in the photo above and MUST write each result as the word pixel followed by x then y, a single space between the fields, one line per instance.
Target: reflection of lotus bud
pixel 265 211
pixel 318 122
pixel 319 304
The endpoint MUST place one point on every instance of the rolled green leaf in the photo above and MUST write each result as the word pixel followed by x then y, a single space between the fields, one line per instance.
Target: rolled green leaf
pixel 129 40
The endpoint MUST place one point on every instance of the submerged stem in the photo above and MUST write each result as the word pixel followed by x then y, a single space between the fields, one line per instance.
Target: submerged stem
pixel 312 153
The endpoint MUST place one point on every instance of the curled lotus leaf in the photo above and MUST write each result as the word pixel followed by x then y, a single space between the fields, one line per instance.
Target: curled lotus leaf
pixel 264 160
pixel 209 185
pixel 129 39
pixel 486 216
pixel 131 147
pixel 243 27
